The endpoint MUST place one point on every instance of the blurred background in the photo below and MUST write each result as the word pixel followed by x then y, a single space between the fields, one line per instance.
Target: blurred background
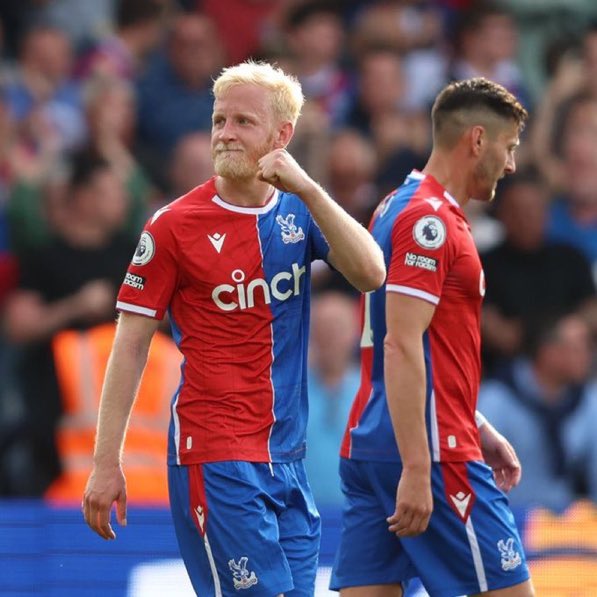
pixel 105 114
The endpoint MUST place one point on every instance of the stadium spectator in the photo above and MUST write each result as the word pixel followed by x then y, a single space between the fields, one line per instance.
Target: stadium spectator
pixel 112 123
pixel 414 30
pixel 138 30
pixel 316 38
pixel 174 93
pixel 191 164
pixel 41 87
pixel 415 457
pixel 545 403
pixel 39 180
pixel 70 282
pixel 333 382
pixel 574 74
pixel 528 277
pixel 255 26
pixel 401 135
pixel 236 476
pixel 351 170
pixel 573 215
pixel 485 45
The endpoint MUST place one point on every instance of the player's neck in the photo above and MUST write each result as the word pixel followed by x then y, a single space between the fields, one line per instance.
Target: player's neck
pixel 252 193
pixel 450 174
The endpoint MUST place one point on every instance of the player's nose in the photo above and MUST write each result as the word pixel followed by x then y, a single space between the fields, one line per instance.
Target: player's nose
pixel 226 132
pixel 510 167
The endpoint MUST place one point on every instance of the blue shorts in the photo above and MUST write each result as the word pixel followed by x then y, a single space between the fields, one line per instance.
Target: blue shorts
pixel 471 544
pixel 248 528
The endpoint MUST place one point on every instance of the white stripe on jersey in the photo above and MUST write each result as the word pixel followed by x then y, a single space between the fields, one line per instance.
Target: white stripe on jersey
pixel 426 296
pixel 121 306
pixel 477 559
pixel 435 452
pixel 176 422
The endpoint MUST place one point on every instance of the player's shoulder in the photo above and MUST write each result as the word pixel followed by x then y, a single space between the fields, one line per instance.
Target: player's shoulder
pixel 169 215
pixel 292 202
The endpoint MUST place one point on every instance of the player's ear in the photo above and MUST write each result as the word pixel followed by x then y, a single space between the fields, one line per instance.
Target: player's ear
pixel 478 137
pixel 284 134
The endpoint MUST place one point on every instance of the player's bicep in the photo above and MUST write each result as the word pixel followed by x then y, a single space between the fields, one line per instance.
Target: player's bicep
pixel 136 330
pixel 407 318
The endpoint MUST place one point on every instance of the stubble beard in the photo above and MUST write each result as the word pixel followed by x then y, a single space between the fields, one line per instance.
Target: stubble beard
pixel 486 181
pixel 239 165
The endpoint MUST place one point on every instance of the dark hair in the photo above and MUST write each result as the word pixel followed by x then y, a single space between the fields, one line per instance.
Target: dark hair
pixel 461 101
pixel 306 11
pixel 527 176
pixel 470 19
pixel 134 12
pixel 541 330
pixel 84 166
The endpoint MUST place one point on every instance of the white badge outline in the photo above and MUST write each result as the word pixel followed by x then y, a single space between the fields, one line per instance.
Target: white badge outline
pixel 147 256
pixel 421 240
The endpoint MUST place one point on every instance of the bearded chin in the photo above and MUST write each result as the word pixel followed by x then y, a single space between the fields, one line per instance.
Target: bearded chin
pixel 235 169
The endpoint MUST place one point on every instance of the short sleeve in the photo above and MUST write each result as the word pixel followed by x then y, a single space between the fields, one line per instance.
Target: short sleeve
pixel 153 273
pixel 319 245
pixel 422 253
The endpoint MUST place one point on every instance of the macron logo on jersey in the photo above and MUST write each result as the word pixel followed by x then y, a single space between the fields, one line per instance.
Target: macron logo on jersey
pixel 217 240
pixel 461 500
pixel 434 202
pixel 241 295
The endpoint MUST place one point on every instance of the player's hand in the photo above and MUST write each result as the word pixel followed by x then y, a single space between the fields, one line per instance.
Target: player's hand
pixel 414 504
pixel 500 456
pixel 104 487
pixel 281 170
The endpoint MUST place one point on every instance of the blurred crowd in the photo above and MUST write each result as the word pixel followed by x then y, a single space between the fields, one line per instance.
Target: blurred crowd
pixel 105 116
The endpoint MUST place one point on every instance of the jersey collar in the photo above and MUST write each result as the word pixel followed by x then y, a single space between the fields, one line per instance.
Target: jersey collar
pixel 248 210
pixel 416 175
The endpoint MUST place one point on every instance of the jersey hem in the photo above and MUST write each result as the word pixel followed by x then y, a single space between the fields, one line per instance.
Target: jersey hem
pixel 257 456
pixel 369 456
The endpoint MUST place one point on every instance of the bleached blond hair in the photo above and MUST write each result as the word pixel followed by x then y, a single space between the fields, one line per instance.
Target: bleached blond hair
pixel 287 94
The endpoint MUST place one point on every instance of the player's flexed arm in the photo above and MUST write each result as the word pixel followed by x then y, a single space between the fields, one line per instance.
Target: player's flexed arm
pixel 407 318
pixel 106 484
pixel 353 251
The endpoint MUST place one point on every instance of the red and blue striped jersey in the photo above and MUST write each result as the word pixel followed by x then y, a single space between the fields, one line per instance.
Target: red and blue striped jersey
pixel 236 284
pixel 430 254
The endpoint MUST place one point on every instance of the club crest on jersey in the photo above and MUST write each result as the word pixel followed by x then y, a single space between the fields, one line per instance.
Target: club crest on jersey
pixel 430 232
pixel 145 249
pixel 242 578
pixel 510 557
pixel 291 233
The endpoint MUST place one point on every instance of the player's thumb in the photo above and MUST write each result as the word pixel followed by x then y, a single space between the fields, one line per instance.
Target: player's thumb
pixel 121 510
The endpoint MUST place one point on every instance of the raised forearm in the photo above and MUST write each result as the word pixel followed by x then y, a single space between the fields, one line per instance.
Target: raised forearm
pixel 353 251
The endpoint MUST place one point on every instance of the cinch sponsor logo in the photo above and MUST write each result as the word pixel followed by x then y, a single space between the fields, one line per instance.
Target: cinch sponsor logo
pixel 241 295
pixel 137 282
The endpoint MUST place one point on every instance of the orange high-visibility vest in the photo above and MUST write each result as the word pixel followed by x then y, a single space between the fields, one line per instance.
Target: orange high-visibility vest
pixel 80 358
